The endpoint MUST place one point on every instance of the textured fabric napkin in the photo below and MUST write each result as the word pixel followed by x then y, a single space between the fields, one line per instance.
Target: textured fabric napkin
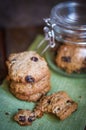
pixel 75 87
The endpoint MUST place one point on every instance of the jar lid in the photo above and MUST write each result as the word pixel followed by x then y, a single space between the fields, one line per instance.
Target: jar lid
pixel 72 14
pixel 69 18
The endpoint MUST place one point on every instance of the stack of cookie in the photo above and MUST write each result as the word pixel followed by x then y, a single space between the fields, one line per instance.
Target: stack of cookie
pixel 29 75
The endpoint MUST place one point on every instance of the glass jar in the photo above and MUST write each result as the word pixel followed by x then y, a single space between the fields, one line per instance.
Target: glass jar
pixel 68 23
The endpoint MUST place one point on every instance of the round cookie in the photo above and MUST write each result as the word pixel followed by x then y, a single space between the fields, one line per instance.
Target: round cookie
pixel 32 97
pixel 71 58
pixel 30 92
pixel 26 67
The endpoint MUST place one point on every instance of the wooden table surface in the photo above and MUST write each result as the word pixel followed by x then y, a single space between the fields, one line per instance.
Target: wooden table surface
pixel 15 40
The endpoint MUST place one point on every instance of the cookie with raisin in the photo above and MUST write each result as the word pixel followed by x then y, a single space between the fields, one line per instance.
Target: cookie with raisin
pixel 59 104
pixel 26 93
pixel 26 67
pixel 71 58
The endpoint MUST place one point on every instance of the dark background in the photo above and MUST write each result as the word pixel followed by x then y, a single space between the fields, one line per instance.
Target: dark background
pixel 24 12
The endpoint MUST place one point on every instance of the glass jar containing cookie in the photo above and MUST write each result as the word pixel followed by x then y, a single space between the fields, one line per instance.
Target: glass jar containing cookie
pixel 67 24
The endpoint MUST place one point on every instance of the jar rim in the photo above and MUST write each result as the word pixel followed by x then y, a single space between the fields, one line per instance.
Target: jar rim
pixel 68 19
pixel 70 15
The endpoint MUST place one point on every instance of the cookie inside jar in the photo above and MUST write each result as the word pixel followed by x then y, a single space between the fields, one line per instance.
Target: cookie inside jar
pixel 68 22
pixel 71 58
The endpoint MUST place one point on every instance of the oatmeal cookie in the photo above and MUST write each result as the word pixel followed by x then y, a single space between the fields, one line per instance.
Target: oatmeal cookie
pixel 28 88
pixel 31 97
pixel 26 67
pixel 58 103
pixel 29 75
pixel 26 117
pixel 71 58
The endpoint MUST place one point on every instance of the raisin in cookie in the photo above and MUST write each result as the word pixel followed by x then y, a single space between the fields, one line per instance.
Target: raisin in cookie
pixel 29 75
pixel 71 58
pixel 26 117
pixel 26 67
pixel 58 103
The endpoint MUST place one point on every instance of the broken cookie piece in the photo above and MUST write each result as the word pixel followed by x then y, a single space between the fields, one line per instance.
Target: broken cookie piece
pixel 26 117
pixel 58 103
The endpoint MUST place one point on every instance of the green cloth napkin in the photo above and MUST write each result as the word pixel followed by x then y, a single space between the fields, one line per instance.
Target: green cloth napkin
pixel 75 87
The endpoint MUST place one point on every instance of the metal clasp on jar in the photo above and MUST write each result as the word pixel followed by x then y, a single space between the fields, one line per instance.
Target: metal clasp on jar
pixel 49 36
